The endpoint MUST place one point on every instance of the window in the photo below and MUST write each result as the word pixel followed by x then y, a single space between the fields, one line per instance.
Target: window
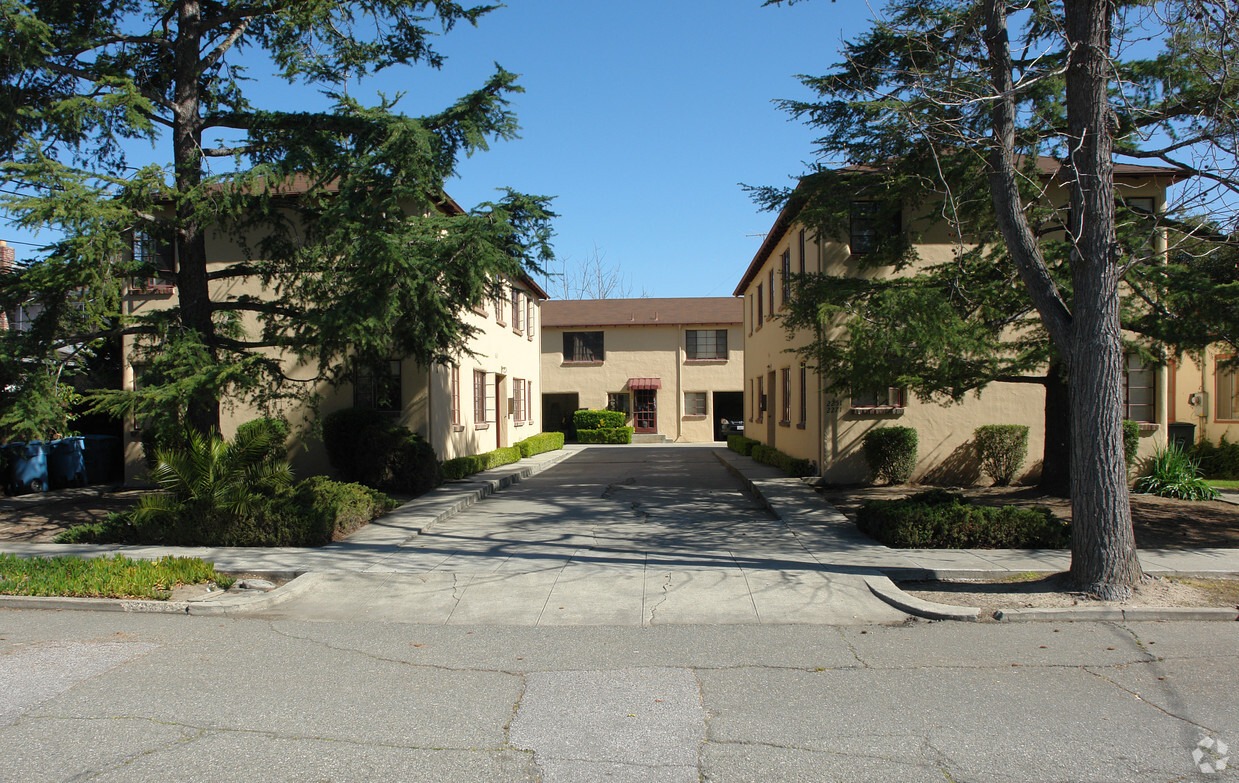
pixel 890 397
pixel 500 300
pixel 785 380
pixel 1139 391
pixel 529 401
pixel 159 259
pixel 531 315
pixel 770 280
pixel 786 273
pixel 752 402
pixel 760 312
pixel 694 403
pixel 1227 394
pixel 378 388
pixel 867 229
pixel 518 312
pixel 455 395
pixel 479 396
pixel 751 317
pixel 619 401
pixel 802 251
pixel 518 399
pixel 761 397
pixel 804 395
pixel 707 343
pixel 583 346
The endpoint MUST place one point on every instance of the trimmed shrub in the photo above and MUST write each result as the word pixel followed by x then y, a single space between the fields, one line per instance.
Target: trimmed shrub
pixel 1002 449
pixel 331 509
pixel 367 447
pixel 891 453
pixel 476 463
pixel 1217 462
pixel 788 464
pixel 611 435
pixel 938 519
pixel 1131 441
pixel 598 420
pixel 741 444
pixel 273 430
pixel 537 444
pixel 1172 473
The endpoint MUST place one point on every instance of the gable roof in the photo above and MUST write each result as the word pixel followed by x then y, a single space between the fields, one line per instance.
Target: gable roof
pixel 642 312
pixel 1048 166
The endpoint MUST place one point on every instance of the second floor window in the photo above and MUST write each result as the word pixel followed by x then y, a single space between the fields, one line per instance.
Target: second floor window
pixel 786 272
pixel 378 387
pixel 707 343
pixel 583 346
pixel 518 311
pixel 870 225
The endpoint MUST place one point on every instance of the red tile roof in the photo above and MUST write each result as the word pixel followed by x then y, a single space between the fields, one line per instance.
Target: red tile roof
pixel 642 312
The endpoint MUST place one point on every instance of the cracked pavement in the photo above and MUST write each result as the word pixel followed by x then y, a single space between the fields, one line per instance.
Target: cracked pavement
pixel 613 536
pixel 118 697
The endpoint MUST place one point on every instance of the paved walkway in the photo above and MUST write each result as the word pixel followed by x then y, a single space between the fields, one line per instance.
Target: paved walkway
pixel 620 535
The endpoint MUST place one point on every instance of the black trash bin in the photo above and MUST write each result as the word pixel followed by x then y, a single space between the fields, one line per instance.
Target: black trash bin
pixel 1182 434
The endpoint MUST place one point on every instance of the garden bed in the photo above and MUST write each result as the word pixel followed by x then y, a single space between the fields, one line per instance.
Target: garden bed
pixel 1160 523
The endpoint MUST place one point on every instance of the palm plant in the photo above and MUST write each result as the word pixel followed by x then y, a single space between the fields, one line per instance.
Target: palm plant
pixel 211 483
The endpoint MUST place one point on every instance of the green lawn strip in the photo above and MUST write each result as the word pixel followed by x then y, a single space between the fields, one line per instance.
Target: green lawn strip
pixel 1223 483
pixel 103 577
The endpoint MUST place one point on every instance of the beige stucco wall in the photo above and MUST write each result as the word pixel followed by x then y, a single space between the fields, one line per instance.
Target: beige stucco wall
pixel 833 432
pixel 1192 375
pixel 656 351
pixel 426 395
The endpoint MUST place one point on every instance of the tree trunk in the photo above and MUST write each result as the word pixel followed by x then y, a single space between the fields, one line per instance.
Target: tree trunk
pixel 192 285
pixel 1103 547
pixel 1056 457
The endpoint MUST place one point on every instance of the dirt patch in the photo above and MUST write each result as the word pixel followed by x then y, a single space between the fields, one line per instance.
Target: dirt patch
pixel 42 523
pixel 1160 523
pixel 1044 592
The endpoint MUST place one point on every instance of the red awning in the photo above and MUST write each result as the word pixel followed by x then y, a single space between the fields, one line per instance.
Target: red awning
pixel 645 383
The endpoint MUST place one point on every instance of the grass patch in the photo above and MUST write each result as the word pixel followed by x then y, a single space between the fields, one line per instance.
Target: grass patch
pixel 104 577
pixel 1223 483
pixel 1225 590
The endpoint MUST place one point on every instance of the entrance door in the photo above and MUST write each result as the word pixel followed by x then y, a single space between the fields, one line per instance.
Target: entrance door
pixel 644 410
pixel 501 410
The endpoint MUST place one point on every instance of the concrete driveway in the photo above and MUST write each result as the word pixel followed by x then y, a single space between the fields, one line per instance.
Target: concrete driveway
pixel 621 535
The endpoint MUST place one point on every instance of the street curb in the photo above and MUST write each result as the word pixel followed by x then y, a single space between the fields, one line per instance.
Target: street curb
pixel 1135 614
pixel 236 604
pixel 886 590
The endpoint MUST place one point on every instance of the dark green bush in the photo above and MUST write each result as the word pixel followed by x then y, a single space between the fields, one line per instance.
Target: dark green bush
pixel 1002 449
pixel 612 435
pixel 741 444
pixel 598 420
pixel 331 509
pixel 1217 462
pixel 274 430
pixel 460 467
pixel 114 529
pixel 788 464
pixel 942 520
pixel 1131 441
pixel 368 447
pixel 537 444
pixel 891 453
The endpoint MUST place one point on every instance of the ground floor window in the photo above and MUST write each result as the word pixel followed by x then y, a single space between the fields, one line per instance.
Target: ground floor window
pixel 804 373
pixel 890 397
pixel 479 396
pixel 619 401
pixel 455 395
pixel 694 403
pixel 1139 389
pixel 377 387
pixel 518 399
pixel 1227 394
pixel 785 379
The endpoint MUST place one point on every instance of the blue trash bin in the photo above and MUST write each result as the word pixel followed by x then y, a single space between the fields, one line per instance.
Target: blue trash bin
pixel 103 458
pixel 28 467
pixel 66 466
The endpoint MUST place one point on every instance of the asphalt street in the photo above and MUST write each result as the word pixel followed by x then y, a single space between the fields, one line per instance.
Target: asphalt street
pixel 88 696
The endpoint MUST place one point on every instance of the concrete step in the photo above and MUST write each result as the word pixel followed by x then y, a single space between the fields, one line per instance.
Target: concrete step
pixel 649 437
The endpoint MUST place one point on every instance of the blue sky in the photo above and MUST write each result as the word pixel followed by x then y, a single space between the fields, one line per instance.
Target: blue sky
pixel 640 117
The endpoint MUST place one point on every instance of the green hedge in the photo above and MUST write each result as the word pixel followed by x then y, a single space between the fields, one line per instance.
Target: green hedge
pixel 741 444
pixel 891 453
pixel 788 464
pixel 611 435
pixel 938 519
pixel 1217 462
pixel 1131 441
pixel 537 444
pixel 1002 449
pixel 368 447
pixel 598 420
pixel 476 463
